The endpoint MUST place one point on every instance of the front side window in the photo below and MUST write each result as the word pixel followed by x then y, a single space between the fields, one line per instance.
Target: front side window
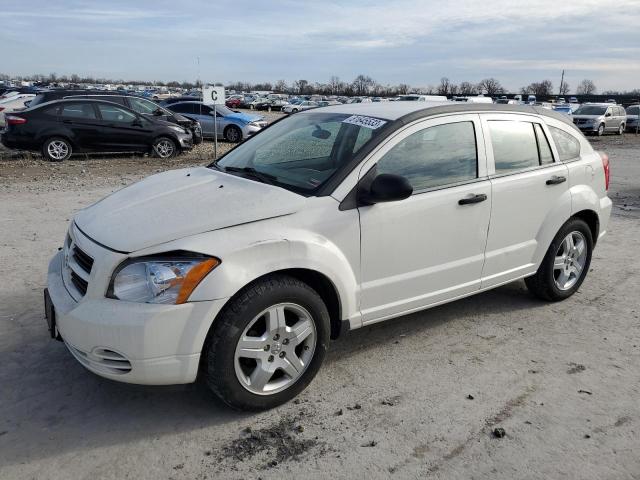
pixel 111 113
pixel 142 106
pixel 78 110
pixel 514 146
pixel 435 156
pixel 301 152
pixel 567 145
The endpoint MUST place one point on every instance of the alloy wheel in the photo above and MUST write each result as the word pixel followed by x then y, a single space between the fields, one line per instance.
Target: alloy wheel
pixel 58 150
pixel 275 349
pixel 232 135
pixel 164 148
pixel 570 260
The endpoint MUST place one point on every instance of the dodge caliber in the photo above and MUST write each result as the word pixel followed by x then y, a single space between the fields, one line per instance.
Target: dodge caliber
pixel 239 274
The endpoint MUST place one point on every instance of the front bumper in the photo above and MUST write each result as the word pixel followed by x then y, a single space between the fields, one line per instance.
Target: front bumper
pixel 125 341
pixel 186 141
pixel 250 130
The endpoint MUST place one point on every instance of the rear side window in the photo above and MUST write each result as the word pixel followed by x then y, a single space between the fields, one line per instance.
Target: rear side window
pixel 514 146
pixel 567 145
pixel 78 110
pixel 434 157
pixel 544 149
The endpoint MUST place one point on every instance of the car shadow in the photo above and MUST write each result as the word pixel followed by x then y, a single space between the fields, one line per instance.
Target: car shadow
pixel 52 405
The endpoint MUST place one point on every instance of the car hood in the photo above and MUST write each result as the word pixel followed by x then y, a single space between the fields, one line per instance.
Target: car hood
pixel 244 117
pixel 180 203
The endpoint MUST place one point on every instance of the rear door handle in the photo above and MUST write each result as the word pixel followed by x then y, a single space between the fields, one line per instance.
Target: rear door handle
pixel 473 199
pixel 556 180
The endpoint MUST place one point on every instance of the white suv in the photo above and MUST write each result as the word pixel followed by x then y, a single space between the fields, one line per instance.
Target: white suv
pixel 241 272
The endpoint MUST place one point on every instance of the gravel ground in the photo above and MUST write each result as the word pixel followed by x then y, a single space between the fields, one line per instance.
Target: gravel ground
pixel 415 397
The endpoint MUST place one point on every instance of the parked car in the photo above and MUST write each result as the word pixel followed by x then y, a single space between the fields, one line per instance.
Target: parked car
pixel 234 102
pixel 298 107
pixel 184 98
pixel 12 104
pixel 573 100
pixel 600 118
pixel 231 126
pixel 141 105
pixel 563 108
pixel 60 128
pixel 270 104
pixel 422 98
pixel 633 118
pixel 328 221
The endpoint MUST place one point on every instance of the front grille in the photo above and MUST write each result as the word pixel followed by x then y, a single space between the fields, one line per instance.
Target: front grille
pixel 82 259
pixel 78 282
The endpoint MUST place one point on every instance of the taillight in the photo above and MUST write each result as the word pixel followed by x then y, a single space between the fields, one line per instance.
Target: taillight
pixel 1 109
pixel 13 120
pixel 607 170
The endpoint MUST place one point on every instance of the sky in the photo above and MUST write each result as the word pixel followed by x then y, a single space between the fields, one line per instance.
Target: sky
pixel 414 42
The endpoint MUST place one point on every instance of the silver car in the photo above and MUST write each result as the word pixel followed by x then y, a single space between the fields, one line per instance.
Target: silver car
pixel 298 107
pixel 600 118
pixel 231 126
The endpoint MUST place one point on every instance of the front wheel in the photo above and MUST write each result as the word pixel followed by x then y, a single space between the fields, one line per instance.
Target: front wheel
pixel 56 149
pixel 621 129
pixel 164 147
pixel 233 134
pixel 565 264
pixel 601 130
pixel 267 344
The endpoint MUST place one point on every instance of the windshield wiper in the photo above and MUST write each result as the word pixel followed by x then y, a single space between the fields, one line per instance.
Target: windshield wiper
pixel 252 172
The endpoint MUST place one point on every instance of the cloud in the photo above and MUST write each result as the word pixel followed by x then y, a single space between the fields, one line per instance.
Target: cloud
pixel 415 42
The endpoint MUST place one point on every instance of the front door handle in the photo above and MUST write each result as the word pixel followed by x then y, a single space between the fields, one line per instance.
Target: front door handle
pixel 472 199
pixel 556 180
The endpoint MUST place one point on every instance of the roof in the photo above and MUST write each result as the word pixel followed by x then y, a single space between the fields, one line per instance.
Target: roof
pixel 414 110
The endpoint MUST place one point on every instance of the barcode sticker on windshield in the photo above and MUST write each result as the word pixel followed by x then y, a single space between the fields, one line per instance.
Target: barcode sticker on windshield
pixel 362 121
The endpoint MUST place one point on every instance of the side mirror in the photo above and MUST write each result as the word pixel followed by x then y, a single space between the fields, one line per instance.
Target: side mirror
pixel 385 187
pixel 158 112
pixel 136 123
pixel 608 114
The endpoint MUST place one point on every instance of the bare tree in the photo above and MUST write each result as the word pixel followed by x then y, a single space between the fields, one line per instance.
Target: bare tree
pixel 564 88
pixel 468 88
pixel 281 86
pixel 445 86
pixel 490 86
pixel 301 86
pixel 335 84
pixel 586 87
pixel 403 89
pixel 362 84
pixel 539 89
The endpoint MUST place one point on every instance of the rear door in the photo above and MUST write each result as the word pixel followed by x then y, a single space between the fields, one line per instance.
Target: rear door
pixel 81 119
pixel 122 130
pixel 530 196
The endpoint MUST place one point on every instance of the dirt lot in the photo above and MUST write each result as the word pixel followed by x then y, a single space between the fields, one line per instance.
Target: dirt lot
pixel 416 397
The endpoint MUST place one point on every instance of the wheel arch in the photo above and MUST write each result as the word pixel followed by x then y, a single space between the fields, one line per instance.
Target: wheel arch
pixel 591 218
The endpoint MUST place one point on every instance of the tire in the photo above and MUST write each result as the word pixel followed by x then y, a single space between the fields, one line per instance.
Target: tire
pixel 621 129
pixel 233 134
pixel 164 147
pixel 547 282
pixel 56 149
pixel 600 131
pixel 295 110
pixel 268 109
pixel 228 374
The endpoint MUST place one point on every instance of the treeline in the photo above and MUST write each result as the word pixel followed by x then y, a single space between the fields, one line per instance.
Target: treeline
pixel 361 85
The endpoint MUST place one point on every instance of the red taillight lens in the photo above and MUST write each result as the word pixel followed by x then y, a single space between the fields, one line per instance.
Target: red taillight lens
pixel 13 120
pixel 1 109
pixel 607 170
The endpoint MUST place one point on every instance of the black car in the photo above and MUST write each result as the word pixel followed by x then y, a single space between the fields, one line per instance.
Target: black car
pixel 138 104
pixel 61 127
pixel 270 104
pixel 184 98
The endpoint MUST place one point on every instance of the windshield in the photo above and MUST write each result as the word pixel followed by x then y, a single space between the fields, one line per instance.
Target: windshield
pixel 633 110
pixel 224 111
pixel 409 98
pixel 303 151
pixel 590 110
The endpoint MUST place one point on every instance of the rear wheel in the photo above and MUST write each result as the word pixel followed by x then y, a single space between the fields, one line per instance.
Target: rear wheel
pixel 57 149
pixel 565 264
pixel 233 134
pixel 267 344
pixel 164 147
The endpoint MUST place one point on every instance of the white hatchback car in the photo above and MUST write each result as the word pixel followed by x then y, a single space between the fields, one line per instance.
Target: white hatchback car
pixel 241 272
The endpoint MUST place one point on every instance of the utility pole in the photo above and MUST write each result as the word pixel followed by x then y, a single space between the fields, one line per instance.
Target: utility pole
pixel 561 84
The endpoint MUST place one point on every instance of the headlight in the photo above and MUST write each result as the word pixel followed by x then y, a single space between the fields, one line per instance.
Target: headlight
pixel 159 280
pixel 254 124
pixel 177 129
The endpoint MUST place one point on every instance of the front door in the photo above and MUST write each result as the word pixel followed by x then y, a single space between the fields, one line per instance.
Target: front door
pixel 123 130
pixel 428 248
